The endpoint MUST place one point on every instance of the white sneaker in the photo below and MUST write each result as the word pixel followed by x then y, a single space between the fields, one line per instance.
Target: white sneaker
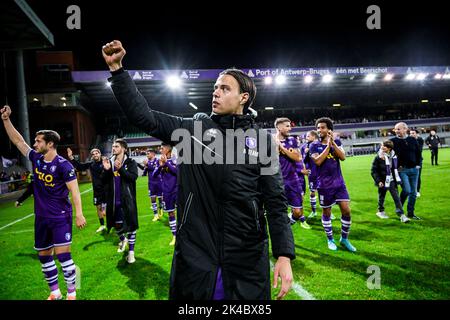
pixel 382 215
pixel 130 257
pixel 418 195
pixel 404 219
pixel 172 243
pixel 122 245
pixel 100 229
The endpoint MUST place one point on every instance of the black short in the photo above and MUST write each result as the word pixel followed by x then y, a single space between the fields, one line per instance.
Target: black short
pixel 99 198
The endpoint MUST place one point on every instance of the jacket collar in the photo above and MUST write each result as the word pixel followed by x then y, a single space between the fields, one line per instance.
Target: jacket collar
pixel 233 121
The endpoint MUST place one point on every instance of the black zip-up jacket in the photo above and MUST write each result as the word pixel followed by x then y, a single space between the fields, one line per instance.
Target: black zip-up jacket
pixel 128 176
pixel 407 151
pixel 96 169
pixel 220 209
pixel 378 171
pixel 433 141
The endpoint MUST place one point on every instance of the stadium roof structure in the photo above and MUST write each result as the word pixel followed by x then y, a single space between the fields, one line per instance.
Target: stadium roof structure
pixel 281 88
pixel 21 28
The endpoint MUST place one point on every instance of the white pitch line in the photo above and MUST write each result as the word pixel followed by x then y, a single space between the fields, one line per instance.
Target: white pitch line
pixel 298 289
pixel 31 214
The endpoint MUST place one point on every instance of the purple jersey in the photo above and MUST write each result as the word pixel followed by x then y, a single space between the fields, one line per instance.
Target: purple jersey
pixel 168 175
pixel 151 166
pixel 329 174
pixel 51 195
pixel 308 161
pixel 288 166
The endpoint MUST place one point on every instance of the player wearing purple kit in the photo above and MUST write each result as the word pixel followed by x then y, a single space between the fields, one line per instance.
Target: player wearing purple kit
pixel 154 184
pixel 289 156
pixel 167 168
pixel 54 179
pixel 327 154
pixel 119 177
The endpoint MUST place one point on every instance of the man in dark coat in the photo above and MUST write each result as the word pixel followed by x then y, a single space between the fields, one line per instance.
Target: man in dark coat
pixel 221 249
pixel 95 167
pixel 119 177
pixel 433 141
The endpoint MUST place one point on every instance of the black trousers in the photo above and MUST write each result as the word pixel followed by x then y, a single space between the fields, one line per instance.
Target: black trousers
pixel 434 155
pixel 394 193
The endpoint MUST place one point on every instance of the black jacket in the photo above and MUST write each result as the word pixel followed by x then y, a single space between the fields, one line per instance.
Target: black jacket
pixel 128 174
pixel 221 221
pixel 96 169
pixel 408 152
pixel 433 141
pixel 378 171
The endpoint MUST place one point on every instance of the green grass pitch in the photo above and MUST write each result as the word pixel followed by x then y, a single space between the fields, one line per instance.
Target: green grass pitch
pixel 413 259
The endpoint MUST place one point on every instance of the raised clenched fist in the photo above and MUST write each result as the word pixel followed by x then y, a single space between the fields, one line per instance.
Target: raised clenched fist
pixel 6 112
pixel 113 53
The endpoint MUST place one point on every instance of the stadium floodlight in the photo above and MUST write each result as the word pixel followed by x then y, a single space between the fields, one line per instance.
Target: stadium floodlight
pixel 268 108
pixel 388 77
pixel 446 76
pixel 279 80
pixel 410 76
pixel 424 100
pixel 447 100
pixel 336 104
pixel 268 80
pixel 35 99
pixel 63 98
pixel 370 77
pixel 421 76
pixel 438 76
pixel 327 78
pixel 193 105
pixel 308 78
pixel 173 82
pixel 108 84
pixel 64 104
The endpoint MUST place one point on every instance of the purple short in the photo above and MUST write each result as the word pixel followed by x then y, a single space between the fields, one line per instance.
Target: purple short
pixel 329 197
pixel 312 183
pixel 154 189
pixel 293 192
pixel 169 199
pixel 49 233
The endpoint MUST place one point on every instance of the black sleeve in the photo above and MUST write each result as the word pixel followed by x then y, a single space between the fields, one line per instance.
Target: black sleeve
pixel 140 166
pixel 275 203
pixel 375 172
pixel 130 173
pixel 80 166
pixel 135 107
pixel 417 151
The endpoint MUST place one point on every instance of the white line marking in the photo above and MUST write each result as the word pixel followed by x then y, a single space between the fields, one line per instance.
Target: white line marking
pixel 298 289
pixel 31 214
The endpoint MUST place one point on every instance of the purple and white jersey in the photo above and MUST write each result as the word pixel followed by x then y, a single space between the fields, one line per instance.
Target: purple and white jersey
pixel 151 166
pixel 51 195
pixel 308 161
pixel 168 174
pixel 288 166
pixel 329 174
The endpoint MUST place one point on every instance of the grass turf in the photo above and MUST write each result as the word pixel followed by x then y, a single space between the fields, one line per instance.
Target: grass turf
pixel 413 258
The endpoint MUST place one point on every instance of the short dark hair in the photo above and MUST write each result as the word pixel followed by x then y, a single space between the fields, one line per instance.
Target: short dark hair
pixel 95 149
pixel 167 145
pixel 50 136
pixel 314 133
pixel 325 120
pixel 122 142
pixel 281 120
pixel 246 84
pixel 388 144
pixel 151 150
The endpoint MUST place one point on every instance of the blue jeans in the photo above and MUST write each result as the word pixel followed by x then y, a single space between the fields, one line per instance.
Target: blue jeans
pixel 409 178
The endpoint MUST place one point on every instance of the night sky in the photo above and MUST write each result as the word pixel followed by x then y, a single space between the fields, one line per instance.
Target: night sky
pixel 220 34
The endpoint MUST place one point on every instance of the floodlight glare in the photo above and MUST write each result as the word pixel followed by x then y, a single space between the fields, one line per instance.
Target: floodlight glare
pixel 446 76
pixel 388 77
pixel 268 80
pixel 268 108
pixel 410 76
pixel 108 84
pixel 308 79
pixel 370 77
pixel 193 105
pixel 173 82
pixel 279 80
pixel 438 76
pixel 421 76
pixel 327 78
